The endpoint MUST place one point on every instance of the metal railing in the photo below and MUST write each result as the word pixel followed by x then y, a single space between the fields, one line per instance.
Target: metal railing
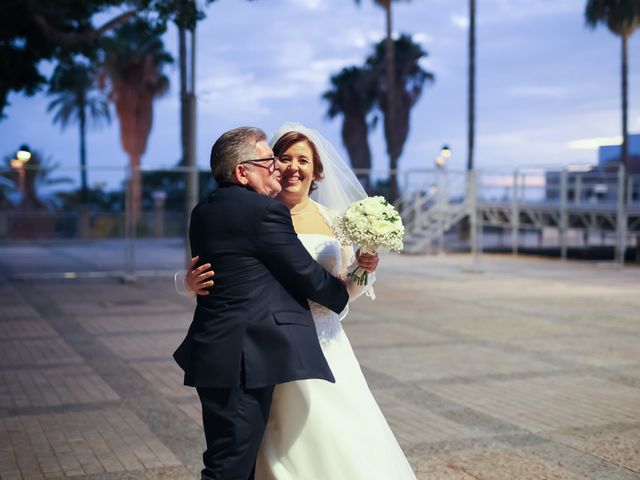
pixel 530 199
pixel 433 203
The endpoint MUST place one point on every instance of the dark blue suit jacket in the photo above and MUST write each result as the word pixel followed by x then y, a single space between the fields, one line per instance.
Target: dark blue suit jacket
pixel 255 328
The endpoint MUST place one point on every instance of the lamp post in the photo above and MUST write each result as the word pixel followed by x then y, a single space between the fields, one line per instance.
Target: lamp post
pixel 441 161
pixel 23 156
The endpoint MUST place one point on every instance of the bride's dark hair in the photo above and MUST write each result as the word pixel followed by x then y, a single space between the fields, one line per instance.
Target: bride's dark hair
pixel 289 139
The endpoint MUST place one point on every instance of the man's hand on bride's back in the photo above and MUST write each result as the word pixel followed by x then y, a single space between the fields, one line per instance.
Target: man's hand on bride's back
pixel 367 261
pixel 198 279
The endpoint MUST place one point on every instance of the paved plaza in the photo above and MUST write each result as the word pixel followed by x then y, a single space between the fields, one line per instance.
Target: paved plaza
pixel 512 368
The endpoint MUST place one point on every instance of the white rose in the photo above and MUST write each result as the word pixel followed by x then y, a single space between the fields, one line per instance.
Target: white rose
pixel 361 223
pixel 372 210
pixel 351 214
pixel 382 227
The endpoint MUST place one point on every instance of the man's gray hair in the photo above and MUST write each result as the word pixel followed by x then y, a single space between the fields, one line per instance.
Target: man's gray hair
pixel 231 148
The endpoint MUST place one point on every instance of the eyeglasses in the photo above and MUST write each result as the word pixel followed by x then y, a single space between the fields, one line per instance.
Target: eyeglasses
pixel 271 166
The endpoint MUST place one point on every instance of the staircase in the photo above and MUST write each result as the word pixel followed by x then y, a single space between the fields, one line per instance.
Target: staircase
pixel 427 217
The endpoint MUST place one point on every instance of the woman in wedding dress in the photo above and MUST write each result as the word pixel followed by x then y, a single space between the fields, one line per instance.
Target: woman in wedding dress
pixel 319 430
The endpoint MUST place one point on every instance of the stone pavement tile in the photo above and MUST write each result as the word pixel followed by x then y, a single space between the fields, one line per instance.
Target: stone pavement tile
pixel 8 461
pixel 491 464
pixel 539 404
pixel 631 374
pixel 70 385
pixel 618 444
pixel 81 443
pixel 150 345
pixel 152 451
pixel 594 350
pixel 504 326
pixel 46 351
pixel 14 312
pixel 98 291
pixel 413 424
pixel 434 362
pixel 364 334
pixel 26 329
pixel 435 469
pixel 166 377
pixel 138 323
pixel 123 307
pixel 435 286
pixel 570 302
pixel 193 410
pixel 23 444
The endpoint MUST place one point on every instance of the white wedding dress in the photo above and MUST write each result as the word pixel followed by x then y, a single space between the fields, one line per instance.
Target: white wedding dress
pixel 329 431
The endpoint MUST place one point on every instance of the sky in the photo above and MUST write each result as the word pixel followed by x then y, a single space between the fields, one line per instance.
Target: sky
pixel 548 87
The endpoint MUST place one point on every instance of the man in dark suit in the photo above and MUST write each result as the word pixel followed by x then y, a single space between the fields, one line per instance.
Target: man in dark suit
pixel 255 330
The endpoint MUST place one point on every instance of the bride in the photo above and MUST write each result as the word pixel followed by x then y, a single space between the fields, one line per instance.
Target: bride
pixel 319 430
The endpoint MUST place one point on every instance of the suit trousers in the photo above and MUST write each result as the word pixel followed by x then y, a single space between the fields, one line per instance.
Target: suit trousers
pixel 234 421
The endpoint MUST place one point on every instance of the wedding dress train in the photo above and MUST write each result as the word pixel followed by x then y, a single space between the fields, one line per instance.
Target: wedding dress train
pixel 323 431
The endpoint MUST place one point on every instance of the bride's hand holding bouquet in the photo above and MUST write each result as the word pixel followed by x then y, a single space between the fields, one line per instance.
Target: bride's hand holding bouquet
pixel 372 224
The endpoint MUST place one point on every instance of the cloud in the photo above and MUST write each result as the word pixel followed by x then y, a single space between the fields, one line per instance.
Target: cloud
pixel 421 37
pixel 242 93
pixel 426 63
pixel 594 143
pixel 358 38
pixel 316 73
pixel 460 21
pixel 547 91
pixel 310 4
pixel 500 11
pixel 227 89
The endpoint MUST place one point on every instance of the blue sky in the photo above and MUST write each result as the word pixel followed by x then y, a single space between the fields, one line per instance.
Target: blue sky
pixel 546 83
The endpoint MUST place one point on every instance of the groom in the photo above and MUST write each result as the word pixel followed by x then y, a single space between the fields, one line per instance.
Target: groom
pixel 256 330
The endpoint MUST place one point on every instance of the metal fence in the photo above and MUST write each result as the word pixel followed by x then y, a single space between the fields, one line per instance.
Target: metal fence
pixel 48 227
pixel 531 208
pixel 103 232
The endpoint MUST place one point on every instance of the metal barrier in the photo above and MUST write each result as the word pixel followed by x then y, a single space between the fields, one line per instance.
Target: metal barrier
pixel 39 211
pixel 111 235
pixel 565 202
pixel 47 231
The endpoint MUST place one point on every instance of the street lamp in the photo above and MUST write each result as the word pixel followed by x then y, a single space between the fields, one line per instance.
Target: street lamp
pixel 445 153
pixel 442 194
pixel 23 156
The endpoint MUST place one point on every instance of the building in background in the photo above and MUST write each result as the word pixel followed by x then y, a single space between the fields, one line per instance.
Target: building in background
pixel 609 154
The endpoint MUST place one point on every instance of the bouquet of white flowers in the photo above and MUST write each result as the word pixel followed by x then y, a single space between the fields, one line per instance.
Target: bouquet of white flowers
pixel 371 223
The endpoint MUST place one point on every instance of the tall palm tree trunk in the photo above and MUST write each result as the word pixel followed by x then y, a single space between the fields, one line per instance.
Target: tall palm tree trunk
pixel 625 133
pixel 192 181
pixel 84 192
pixel 354 137
pixel 135 189
pixel 472 84
pixel 468 225
pixel 390 117
pixel 184 112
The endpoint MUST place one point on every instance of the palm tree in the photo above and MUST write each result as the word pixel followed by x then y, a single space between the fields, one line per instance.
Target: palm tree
pixel 622 17
pixel 390 88
pixel 77 99
pixel 409 80
pixel 353 95
pixel 134 62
